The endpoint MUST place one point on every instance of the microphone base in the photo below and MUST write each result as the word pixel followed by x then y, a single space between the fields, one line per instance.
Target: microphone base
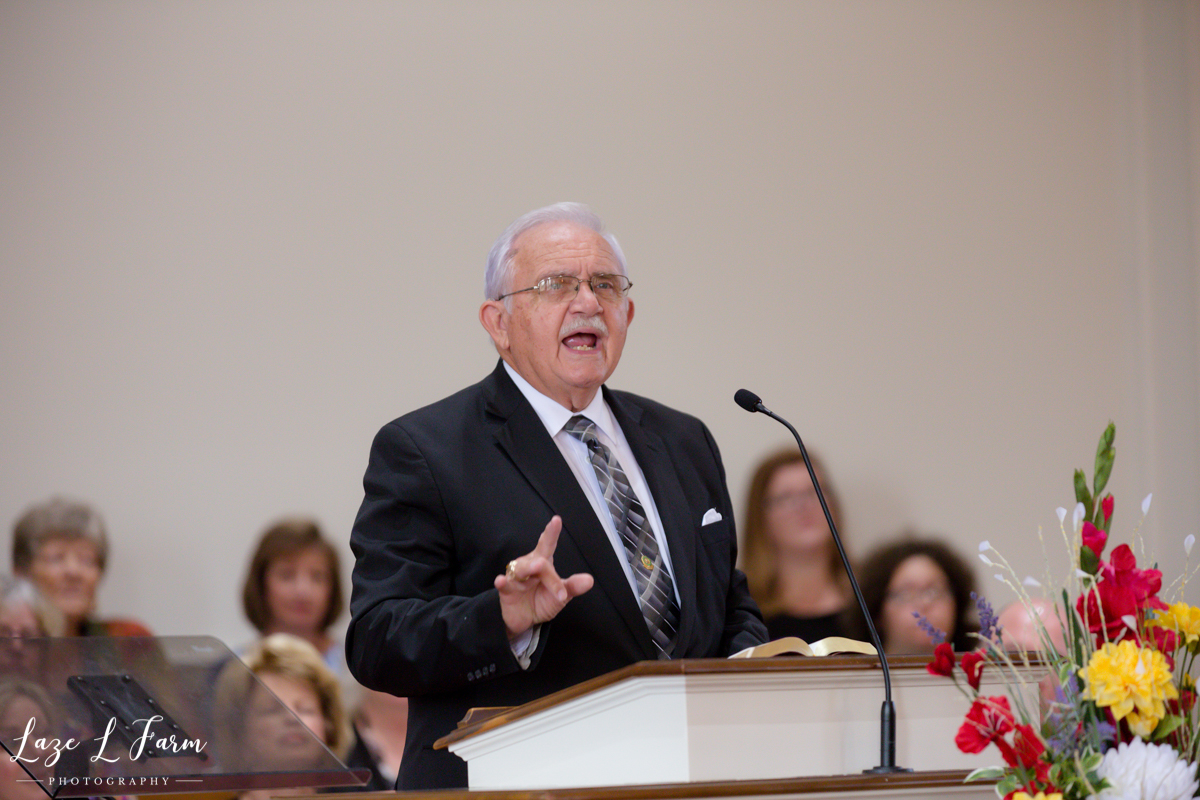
pixel 885 770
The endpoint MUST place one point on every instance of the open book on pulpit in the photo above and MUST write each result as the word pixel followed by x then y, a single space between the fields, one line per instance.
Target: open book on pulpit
pixel 793 645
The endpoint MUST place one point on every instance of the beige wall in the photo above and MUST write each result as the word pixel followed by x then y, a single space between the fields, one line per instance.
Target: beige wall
pixel 948 240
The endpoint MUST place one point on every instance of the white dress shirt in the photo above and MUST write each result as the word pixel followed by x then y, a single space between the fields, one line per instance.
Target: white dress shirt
pixel 554 416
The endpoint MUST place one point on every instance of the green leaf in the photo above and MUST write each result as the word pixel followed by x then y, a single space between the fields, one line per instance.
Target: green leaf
pixel 1089 562
pixel 1104 458
pixel 1081 490
pixel 985 774
pixel 1104 467
pixel 1166 726
pixel 1008 784
pixel 1075 640
pixel 1082 495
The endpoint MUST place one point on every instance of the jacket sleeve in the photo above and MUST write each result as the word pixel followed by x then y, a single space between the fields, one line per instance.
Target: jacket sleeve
pixel 411 632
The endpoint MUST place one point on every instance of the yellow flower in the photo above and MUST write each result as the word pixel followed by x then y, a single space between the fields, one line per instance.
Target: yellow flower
pixel 1183 619
pixel 1038 796
pixel 1134 682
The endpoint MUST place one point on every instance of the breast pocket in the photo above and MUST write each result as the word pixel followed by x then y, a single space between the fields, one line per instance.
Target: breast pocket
pixel 716 540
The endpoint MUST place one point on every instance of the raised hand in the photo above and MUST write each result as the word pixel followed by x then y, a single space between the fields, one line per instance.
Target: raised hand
pixel 531 592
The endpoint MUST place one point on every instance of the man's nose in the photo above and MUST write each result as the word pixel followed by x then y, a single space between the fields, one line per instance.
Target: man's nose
pixel 585 299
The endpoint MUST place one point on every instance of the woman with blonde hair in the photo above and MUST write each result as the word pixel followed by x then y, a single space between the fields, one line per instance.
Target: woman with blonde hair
pixel 255 734
pixel 792 565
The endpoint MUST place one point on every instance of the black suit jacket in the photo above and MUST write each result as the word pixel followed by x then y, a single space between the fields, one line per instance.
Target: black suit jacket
pixel 456 490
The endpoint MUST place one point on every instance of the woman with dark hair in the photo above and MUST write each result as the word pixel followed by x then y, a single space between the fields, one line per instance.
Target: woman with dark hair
pixel 791 562
pixel 294 585
pixel 914 587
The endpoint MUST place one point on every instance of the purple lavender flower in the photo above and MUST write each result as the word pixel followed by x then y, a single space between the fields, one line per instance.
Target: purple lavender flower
pixel 988 629
pixel 1061 733
pixel 1107 733
pixel 936 635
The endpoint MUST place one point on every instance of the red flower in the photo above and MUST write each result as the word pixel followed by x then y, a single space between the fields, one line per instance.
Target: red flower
pixel 972 664
pixel 1144 583
pixel 1025 754
pixel 1165 641
pixel 1106 506
pixel 1102 607
pixel 1028 749
pixel 987 721
pixel 943 661
pixel 1121 590
pixel 1094 538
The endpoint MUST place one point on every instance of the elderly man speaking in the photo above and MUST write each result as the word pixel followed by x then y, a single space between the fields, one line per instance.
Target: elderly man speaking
pixel 538 529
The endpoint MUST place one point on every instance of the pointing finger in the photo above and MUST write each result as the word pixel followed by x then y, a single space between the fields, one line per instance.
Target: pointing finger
pixel 548 541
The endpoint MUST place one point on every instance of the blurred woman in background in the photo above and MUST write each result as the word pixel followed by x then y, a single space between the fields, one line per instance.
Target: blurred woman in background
pixel 24 703
pixel 294 585
pixel 790 559
pixel 61 546
pixel 257 734
pixel 24 614
pixel 916 589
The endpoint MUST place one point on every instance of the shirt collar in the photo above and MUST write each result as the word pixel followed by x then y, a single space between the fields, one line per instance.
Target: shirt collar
pixel 554 415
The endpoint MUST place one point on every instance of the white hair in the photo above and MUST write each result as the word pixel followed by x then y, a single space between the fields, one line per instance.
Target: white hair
pixel 497 278
pixel 17 592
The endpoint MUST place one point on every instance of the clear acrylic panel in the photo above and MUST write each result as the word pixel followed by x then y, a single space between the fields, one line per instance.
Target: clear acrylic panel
pixel 94 716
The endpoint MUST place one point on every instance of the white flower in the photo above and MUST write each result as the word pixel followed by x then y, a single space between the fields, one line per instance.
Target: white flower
pixel 1188 541
pixel 1140 771
pixel 1077 517
pixel 1032 581
pixel 986 560
pixel 1146 504
pixel 1062 513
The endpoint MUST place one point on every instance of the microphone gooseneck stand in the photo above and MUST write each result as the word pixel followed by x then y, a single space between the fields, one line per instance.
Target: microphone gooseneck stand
pixel 887 717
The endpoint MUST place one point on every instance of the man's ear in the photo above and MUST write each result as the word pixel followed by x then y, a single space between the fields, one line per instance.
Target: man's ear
pixel 629 312
pixel 494 318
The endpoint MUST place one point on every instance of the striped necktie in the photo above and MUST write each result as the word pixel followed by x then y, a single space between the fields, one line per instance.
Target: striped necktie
pixel 656 594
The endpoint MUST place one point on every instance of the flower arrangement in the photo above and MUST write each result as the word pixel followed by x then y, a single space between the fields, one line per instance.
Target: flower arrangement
pixel 1117 716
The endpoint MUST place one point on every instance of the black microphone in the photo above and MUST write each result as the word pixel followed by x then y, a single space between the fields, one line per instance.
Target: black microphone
pixel 748 400
pixel 887 717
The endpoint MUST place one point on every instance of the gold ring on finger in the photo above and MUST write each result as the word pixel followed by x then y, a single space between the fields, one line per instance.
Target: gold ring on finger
pixel 510 571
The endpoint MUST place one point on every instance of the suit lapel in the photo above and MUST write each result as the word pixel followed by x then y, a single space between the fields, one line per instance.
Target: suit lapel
pixel 673 509
pixel 523 437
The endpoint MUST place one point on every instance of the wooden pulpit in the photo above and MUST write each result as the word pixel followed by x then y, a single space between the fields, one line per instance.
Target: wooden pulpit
pixel 717 721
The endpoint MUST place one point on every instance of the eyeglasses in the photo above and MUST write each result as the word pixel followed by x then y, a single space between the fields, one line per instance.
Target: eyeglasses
pixel 908 597
pixel 562 288
pixel 791 500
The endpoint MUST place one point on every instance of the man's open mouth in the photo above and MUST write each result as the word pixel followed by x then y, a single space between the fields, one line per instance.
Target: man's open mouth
pixel 581 341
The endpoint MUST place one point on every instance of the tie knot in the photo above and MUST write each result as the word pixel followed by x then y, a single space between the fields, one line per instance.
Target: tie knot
pixel 581 428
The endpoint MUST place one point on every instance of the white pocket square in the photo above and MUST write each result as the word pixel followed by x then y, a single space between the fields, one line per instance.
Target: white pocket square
pixel 711 516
